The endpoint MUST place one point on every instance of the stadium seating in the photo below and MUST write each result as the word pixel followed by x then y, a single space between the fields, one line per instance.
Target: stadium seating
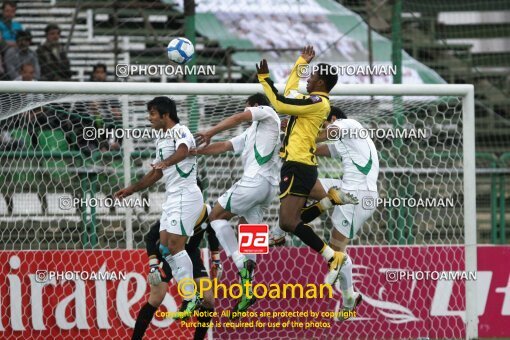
pixel 465 42
pixel 26 204
pixel 85 49
pixel 60 220
pixel 54 206
pixel 4 210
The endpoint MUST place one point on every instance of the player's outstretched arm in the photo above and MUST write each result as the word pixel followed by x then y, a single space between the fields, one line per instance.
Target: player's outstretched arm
pixel 214 149
pixel 180 154
pixel 149 179
pixel 227 123
pixel 298 70
pixel 281 104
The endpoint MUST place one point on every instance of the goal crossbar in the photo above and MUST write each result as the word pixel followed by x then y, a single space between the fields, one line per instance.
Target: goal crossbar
pixel 223 88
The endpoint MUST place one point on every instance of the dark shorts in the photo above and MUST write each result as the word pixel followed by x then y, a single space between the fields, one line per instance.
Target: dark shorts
pixel 198 266
pixel 297 179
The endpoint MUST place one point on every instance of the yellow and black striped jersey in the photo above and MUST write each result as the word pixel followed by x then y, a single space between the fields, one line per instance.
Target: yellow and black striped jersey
pixel 308 113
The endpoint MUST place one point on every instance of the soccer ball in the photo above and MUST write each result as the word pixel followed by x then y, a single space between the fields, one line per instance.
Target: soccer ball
pixel 180 50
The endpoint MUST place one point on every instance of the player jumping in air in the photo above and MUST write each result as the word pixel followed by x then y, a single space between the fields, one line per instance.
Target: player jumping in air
pixel 184 204
pixel 253 193
pixel 299 170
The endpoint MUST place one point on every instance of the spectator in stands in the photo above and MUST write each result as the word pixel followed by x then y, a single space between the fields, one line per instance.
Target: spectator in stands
pixel 52 57
pixel 21 54
pixel 99 73
pixel 27 72
pixel 9 27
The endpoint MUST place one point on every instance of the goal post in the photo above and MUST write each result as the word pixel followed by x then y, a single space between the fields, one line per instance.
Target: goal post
pixel 130 99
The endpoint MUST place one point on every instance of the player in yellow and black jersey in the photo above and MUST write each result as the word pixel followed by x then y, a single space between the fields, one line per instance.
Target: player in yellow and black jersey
pixel 299 170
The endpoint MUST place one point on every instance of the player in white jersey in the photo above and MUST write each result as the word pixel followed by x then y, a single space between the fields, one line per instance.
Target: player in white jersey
pixel 254 192
pixel 184 203
pixel 360 171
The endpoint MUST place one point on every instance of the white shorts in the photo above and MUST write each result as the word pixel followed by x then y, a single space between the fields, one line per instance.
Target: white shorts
pixel 249 197
pixel 348 219
pixel 181 212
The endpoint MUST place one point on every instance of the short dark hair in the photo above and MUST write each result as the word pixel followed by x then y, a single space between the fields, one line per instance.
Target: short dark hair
pixel 328 75
pixel 23 35
pixel 257 98
pixel 164 105
pixel 51 27
pixel 337 112
pixel 9 3
pixel 98 65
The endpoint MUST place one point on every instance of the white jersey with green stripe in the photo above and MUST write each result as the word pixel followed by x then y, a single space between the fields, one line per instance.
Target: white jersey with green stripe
pixel 358 154
pixel 183 174
pixel 259 144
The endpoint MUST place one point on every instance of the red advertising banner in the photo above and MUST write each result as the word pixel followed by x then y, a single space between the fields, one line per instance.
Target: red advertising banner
pixel 494 291
pixel 408 292
pixel 393 307
pixel 93 294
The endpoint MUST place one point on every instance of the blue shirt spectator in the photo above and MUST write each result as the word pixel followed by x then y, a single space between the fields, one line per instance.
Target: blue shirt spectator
pixel 8 27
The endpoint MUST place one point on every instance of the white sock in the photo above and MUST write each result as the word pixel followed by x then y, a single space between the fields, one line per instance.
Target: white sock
pixel 228 241
pixel 326 203
pixel 346 283
pixel 328 253
pixel 182 268
pixel 238 259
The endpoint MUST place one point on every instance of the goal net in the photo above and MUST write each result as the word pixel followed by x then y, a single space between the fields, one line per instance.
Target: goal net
pixel 66 148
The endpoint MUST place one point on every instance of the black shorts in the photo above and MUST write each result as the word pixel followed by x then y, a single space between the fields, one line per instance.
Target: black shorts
pixel 198 266
pixel 297 179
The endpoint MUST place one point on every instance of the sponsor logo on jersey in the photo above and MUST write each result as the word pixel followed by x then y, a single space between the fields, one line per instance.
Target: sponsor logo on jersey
pixel 315 99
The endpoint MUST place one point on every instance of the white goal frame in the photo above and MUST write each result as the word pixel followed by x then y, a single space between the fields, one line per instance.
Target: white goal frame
pixel 466 91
